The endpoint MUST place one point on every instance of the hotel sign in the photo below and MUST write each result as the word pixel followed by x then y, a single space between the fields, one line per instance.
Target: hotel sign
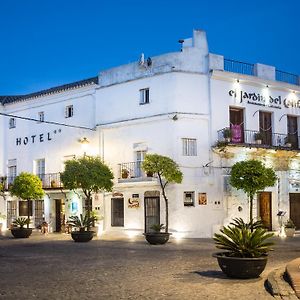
pixel 262 100
pixel 36 138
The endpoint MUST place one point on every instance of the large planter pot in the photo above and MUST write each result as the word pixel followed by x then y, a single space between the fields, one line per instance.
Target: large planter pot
pixel 157 238
pixel 242 268
pixel 289 232
pixel 21 233
pixel 82 236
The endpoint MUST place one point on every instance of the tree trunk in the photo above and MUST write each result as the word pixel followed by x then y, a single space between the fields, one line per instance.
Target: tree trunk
pixel 28 213
pixel 251 212
pixel 163 186
pixel 88 210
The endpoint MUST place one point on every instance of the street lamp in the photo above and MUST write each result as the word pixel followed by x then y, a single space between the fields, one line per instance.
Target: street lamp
pixel 84 145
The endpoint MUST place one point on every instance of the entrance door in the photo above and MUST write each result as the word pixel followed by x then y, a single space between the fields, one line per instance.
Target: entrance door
pixel 295 209
pixel 38 212
pixel 59 215
pixel 117 211
pixel 292 130
pixel 152 212
pixel 265 127
pixel 265 208
pixel 236 116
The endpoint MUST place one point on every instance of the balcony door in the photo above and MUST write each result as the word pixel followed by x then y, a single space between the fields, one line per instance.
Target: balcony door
pixel 140 155
pixel 265 127
pixel 236 116
pixel 292 130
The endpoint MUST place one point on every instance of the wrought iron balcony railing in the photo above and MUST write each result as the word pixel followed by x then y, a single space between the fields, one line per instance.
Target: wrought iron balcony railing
pixel 49 181
pixel 262 139
pixel 132 170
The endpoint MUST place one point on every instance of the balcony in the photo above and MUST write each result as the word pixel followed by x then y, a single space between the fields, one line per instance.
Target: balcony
pixel 132 172
pixel 259 139
pixel 49 181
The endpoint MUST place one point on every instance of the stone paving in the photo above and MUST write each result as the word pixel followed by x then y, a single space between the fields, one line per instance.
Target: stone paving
pixel 54 267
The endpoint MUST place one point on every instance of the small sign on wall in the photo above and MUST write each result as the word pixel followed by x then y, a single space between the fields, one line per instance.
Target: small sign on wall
pixel 133 203
pixel 202 199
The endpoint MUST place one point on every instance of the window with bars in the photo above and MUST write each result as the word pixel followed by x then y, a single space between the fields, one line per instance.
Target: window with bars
pixel 189 147
pixel 144 96
pixel 23 208
pixel 12 170
pixel 69 111
pixel 12 123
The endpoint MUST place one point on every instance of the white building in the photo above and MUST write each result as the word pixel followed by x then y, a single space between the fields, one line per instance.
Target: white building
pixel 177 105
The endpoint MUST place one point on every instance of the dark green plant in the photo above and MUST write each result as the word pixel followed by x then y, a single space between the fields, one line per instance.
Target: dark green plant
pixel 240 241
pixel 221 145
pixel 167 172
pixel 239 222
pixel 27 187
pixel 251 176
pixel 227 133
pixel 83 223
pixel 289 224
pixel 157 227
pixel 89 174
pixel 21 222
pixel 258 136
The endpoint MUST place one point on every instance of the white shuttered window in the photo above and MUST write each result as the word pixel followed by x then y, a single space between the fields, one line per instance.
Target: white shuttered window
pixel 189 147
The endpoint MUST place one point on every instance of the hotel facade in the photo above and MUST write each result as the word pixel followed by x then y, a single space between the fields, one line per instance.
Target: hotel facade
pixel 204 111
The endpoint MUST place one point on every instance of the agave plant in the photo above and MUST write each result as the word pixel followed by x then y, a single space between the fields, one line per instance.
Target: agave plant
pixel 157 227
pixel 239 222
pixel 21 222
pixel 81 222
pixel 240 241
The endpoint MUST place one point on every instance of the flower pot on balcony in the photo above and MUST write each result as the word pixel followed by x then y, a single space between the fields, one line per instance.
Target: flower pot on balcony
pixel 125 173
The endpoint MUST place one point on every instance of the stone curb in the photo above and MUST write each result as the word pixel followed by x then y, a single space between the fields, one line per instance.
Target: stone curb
pixel 293 273
pixel 279 288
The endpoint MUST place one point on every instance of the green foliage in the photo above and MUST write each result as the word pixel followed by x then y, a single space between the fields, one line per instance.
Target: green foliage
pixel 227 133
pixel 88 173
pixel 167 171
pixel 251 176
pixel 240 241
pixel 21 222
pixel 239 222
pixel 81 222
pixel 27 187
pixel 289 224
pixel 157 227
pixel 163 166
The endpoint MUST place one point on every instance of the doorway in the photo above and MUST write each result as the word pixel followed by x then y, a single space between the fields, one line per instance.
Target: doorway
pixel 152 212
pixel 292 130
pixel 236 118
pixel 59 215
pixel 265 208
pixel 295 209
pixel 265 127
pixel 117 212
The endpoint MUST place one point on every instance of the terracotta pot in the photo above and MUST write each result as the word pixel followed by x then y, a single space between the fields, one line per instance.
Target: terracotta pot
pixel 289 232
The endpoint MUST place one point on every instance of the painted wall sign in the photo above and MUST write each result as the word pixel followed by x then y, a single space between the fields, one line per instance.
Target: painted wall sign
pixel 36 138
pixel 202 199
pixel 262 100
pixel 133 203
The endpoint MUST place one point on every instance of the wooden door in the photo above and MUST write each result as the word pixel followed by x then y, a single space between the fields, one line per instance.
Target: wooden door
pixel 152 212
pixel 236 116
pixel 117 211
pixel 265 208
pixel 295 209
pixel 292 130
pixel 265 127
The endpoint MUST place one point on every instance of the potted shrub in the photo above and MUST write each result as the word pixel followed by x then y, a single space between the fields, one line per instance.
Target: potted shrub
pixel 288 141
pixel 246 246
pixel 156 237
pixel 258 137
pixel 18 230
pixel 124 173
pixel 27 187
pixel 90 175
pixel 167 172
pixel 227 134
pixel 289 228
pixel 82 224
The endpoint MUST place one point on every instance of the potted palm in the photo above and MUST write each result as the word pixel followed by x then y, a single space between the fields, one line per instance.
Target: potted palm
pixel 289 228
pixel 246 246
pixel 82 225
pixel 167 172
pixel 18 230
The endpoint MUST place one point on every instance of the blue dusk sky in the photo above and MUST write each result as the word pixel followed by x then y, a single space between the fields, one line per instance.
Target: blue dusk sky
pixel 45 43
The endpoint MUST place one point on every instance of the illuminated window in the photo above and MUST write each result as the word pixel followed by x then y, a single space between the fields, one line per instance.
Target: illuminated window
pixel 189 147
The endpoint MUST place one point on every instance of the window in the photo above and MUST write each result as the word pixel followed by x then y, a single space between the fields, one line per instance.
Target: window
pixel 69 111
pixel 12 123
pixel 144 96
pixel 40 168
pixel 41 116
pixel 189 147
pixel 189 198
pixel 12 170
pixel 23 205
